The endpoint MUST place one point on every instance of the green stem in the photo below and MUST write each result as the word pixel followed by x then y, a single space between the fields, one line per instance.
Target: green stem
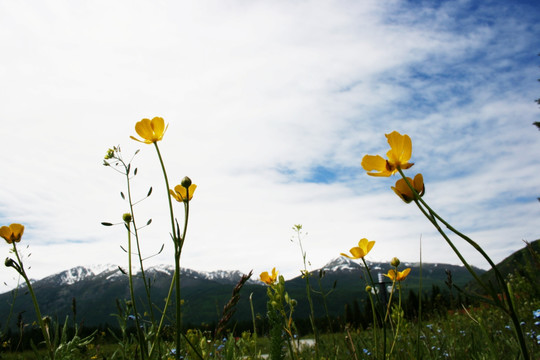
pixel 41 323
pixel 399 320
pixel 136 233
pixel 177 246
pixel 380 306
pixel 509 309
pixel 133 299
pixel 308 291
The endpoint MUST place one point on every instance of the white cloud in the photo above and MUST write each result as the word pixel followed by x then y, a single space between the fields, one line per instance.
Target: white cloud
pixel 255 89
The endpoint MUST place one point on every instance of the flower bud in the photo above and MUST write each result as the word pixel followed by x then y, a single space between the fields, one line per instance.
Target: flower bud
pixel 368 289
pixel 395 262
pixel 9 262
pixel 186 182
pixel 127 218
pixel 110 154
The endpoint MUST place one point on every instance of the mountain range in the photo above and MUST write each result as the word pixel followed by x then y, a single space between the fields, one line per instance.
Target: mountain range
pixel 96 290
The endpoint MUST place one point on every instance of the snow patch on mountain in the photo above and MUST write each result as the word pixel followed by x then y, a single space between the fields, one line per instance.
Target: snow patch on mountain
pixel 76 274
pixel 341 263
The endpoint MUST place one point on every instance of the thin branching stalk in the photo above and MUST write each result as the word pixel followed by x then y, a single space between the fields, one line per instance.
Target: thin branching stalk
pixel 137 242
pixel 306 276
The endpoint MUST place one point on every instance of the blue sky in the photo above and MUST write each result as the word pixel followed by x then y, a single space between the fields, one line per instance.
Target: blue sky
pixel 271 106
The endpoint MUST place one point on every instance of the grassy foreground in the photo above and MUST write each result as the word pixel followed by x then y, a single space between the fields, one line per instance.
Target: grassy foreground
pixel 503 322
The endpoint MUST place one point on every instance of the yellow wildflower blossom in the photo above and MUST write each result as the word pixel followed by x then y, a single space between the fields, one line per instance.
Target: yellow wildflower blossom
pixel 269 279
pixel 404 191
pixel 363 248
pixel 180 193
pixel 12 233
pixel 400 276
pixel 150 130
pixel 398 156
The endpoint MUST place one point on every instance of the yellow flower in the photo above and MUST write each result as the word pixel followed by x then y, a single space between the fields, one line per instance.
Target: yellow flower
pixel 400 276
pixel 404 191
pixel 364 247
pixel 150 130
pixel 12 232
pixel 179 192
pixel 269 279
pixel 398 156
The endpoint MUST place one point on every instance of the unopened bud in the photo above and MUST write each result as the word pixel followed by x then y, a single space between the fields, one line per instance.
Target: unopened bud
pixel 368 289
pixel 127 218
pixel 186 182
pixel 9 262
pixel 395 262
pixel 110 154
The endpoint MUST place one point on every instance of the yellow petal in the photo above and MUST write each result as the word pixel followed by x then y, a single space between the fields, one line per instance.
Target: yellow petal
pixel 265 277
pixel 5 232
pixel 391 274
pixel 358 253
pixel 342 254
pixel 192 188
pixel 375 163
pixel 403 274
pixel 144 129
pixel 158 126
pixel 365 245
pixel 418 184
pixel 403 190
pixel 401 147
pixel 17 230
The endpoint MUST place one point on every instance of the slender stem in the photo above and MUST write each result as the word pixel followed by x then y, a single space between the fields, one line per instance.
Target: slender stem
pixel 177 246
pixel 36 305
pixel 390 298
pixel 509 309
pixel 381 308
pixel 308 291
pixel 136 233
pixel 133 299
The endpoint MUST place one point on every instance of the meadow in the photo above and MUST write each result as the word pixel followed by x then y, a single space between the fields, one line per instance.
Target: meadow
pixel 498 316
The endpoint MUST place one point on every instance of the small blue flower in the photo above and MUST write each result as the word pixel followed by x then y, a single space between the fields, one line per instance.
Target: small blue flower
pixel 507 327
pixel 429 326
pixel 172 352
pixel 224 339
pixel 366 351
pixel 538 339
pixel 462 332
pixel 522 323
pixel 537 323
pixel 220 347
pixel 131 317
pixel 536 314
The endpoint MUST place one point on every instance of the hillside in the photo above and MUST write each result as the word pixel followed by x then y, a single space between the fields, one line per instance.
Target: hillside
pixel 96 290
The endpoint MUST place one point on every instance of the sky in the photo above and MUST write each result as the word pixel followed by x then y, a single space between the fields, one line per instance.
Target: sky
pixel 271 106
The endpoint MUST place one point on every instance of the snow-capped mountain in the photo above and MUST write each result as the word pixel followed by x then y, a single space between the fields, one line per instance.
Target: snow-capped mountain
pixel 111 272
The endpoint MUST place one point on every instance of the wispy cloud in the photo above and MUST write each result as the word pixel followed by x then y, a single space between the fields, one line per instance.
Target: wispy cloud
pixel 271 107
